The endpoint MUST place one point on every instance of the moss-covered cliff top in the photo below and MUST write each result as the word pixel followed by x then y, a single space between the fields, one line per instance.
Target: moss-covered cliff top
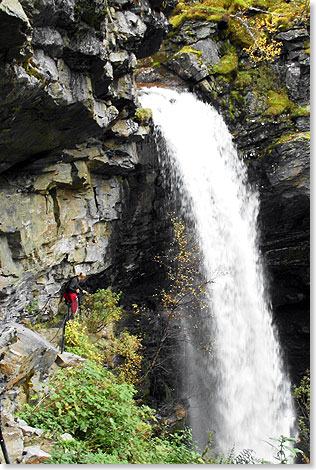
pixel 243 15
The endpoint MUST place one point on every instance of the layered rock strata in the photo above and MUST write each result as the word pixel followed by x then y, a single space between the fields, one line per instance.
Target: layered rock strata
pixel 69 139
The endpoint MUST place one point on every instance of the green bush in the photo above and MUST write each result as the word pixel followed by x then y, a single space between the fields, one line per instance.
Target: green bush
pixel 302 396
pixel 105 421
pixel 101 309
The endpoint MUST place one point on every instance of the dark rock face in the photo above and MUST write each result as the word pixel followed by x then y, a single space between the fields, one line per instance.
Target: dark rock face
pixel 76 188
pixel 63 68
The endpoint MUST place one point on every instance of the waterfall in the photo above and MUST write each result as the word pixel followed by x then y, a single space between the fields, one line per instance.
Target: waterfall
pixel 239 389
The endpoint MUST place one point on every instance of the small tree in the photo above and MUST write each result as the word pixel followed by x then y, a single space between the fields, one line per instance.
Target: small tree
pixel 101 309
pixel 185 288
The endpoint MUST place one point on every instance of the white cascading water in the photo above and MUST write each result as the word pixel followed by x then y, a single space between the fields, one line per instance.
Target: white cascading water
pixel 240 390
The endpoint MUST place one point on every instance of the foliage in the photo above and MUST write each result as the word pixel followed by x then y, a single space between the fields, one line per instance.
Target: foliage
pixel 78 342
pixel 302 397
pixel 127 346
pixel 31 308
pixel 264 46
pixel 101 309
pixel 284 453
pixel 182 260
pixel 185 289
pixel 105 421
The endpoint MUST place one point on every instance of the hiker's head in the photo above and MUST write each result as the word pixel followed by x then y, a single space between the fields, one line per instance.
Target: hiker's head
pixel 81 277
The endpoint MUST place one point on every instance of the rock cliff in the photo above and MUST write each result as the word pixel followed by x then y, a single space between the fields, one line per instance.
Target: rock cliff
pixel 70 134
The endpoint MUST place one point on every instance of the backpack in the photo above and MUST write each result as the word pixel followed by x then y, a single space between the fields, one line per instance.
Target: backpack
pixel 64 288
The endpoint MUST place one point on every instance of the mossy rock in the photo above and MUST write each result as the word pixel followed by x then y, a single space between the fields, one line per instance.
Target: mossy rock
pixel 188 50
pixel 297 137
pixel 278 103
pixel 243 80
pixel 301 111
pixel 239 34
pixel 144 116
pixel 31 69
pixel 228 63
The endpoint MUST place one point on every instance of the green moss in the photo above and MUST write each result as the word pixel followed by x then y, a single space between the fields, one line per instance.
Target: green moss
pixel 237 5
pixel 31 69
pixel 239 34
pixel 201 11
pixel 243 80
pixel 177 20
pixel 228 63
pixel 143 115
pixel 235 101
pixel 188 50
pixel 263 4
pixel 301 111
pixel 214 17
pixel 278 103
pixel 265 79
pixel 289 12
pixel 300 136
pixel 237 96
pixel 307 49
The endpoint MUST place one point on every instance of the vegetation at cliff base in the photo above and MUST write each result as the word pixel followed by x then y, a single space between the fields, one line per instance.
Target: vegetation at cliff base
pixel 107 425
pixel 95 402
pixel 98 404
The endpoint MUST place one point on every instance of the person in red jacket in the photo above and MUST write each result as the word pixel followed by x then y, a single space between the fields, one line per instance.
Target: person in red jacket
pixel 72 290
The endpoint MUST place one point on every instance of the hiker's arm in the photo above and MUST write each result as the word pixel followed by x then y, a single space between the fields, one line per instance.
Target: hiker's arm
pixel 82 290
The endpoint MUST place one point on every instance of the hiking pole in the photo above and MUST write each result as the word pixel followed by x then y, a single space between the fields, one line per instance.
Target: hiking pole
pixel 2 443
pixel 66 318
pixel 79 307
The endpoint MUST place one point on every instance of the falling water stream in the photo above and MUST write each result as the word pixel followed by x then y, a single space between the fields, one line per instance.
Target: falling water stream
pixel 239 389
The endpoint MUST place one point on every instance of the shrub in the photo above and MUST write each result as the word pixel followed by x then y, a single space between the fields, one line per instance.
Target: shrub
pixel 107 425
pixel 302 396
pixel 78 342
pixel 127 346
pixel 101 309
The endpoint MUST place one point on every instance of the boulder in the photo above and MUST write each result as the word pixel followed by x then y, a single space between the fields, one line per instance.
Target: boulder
pixel 66 437
pixel 28 430
pixel 67 359
pixel 24 354
pixel 194 62
pixel 13 438
pixel 34 455
pixel 15 29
